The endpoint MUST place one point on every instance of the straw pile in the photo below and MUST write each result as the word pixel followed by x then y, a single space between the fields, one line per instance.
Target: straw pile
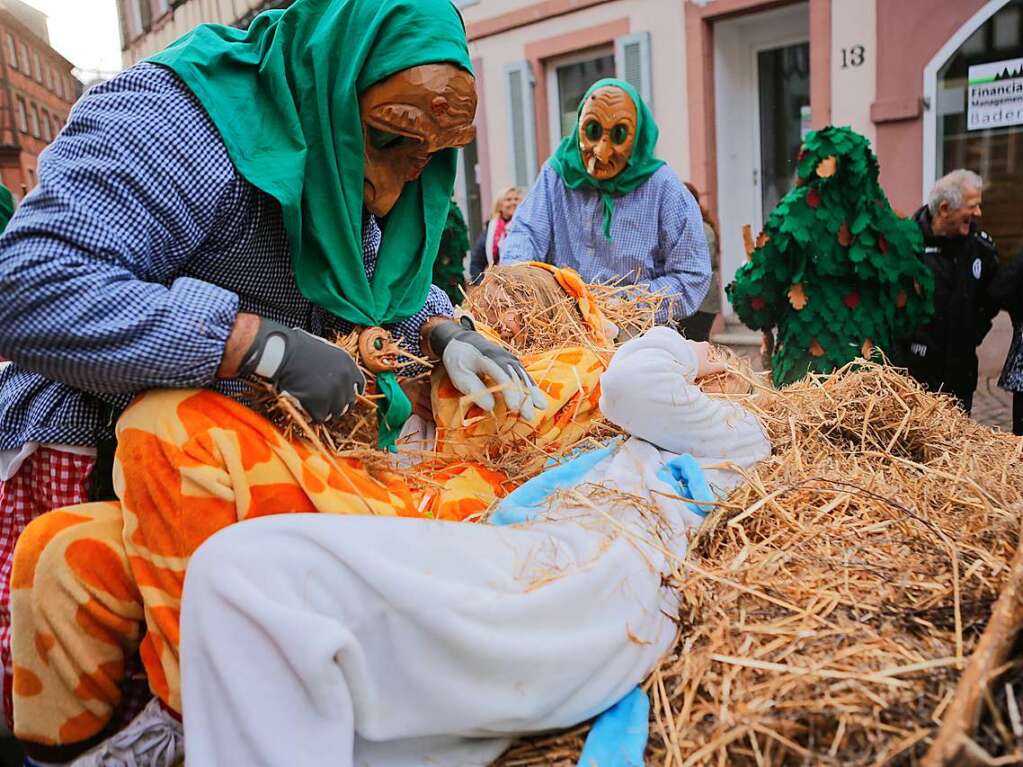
pixel 532 314
pixel 828 605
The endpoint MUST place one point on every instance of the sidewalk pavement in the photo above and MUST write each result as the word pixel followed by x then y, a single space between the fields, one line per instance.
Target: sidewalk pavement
pixel 992 406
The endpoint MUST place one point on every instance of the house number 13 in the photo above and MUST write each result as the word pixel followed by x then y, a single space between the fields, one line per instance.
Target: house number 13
pixel 852 57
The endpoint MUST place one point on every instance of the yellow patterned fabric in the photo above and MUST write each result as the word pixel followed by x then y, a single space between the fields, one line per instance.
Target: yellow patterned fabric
pixel 570 379
pixel 90 581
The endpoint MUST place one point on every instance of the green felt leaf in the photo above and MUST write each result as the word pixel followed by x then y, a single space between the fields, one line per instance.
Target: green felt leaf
pixel 860 222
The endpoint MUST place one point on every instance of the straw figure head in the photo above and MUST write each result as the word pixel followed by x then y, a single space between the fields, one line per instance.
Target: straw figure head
pixel 527 307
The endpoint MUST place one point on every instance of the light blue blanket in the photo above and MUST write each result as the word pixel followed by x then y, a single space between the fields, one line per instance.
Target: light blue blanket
pixel 619 735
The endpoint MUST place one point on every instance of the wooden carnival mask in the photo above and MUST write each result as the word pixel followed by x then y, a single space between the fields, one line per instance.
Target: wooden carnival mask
pixel 607 132
pixel 408 117
pixel 378 351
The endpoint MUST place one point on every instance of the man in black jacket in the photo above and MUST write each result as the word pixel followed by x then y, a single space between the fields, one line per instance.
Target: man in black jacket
pixel 942 354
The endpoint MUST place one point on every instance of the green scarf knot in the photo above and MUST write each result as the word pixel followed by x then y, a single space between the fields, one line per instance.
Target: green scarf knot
pixel 392 411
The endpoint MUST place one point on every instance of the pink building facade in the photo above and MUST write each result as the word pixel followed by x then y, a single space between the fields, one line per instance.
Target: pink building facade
pixel 735 84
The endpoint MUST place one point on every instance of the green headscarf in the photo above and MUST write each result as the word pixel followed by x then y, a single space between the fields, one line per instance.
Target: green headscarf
pixel 567 161
pixel 284 95
pixel 6 206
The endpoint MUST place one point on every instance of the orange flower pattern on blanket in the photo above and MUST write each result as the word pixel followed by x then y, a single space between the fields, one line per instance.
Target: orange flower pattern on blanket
pixel 88 580
pixel 77 615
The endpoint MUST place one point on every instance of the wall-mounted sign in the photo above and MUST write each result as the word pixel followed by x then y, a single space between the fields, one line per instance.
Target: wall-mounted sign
pixel 995 98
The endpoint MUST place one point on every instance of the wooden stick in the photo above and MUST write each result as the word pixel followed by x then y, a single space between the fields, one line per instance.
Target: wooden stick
pixel 767 337
pixel 747 240
pixel 952 744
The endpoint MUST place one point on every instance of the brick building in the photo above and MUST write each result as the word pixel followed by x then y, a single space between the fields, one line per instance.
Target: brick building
pixel 37 90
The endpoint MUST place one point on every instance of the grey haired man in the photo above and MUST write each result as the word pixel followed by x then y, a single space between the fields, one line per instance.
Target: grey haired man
pixel 942 354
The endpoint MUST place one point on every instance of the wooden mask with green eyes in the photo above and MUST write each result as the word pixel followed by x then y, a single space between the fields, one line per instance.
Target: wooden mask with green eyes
pixel 607 132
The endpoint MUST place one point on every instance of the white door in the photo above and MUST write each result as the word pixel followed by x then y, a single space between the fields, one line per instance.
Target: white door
pixel 762 96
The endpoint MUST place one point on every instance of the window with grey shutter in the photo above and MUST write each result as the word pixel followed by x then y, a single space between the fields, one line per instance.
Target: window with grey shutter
pixel 131 19
pixel 519 79
pixel 632 62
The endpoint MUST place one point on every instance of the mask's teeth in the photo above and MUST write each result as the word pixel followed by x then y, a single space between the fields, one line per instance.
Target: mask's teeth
pixel 592 167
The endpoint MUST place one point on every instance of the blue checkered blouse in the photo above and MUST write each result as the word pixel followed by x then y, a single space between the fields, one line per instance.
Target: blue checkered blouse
pixel 125 268
pixel 657 237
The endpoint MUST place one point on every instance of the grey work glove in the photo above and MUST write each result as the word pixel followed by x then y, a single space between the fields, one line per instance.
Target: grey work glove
pixel 468 356
pixel 316 375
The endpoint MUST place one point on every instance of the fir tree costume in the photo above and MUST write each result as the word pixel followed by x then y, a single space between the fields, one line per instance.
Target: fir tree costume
pixel 6 206
pixel 835 269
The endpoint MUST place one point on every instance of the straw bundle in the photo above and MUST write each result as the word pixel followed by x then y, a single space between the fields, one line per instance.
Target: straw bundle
pixel 632 308
pixel 830 602
pixel 353 434
pixel 551 320
pixel 532 314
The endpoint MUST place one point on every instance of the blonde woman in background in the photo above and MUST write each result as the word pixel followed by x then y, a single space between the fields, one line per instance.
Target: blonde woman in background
pixel 485 252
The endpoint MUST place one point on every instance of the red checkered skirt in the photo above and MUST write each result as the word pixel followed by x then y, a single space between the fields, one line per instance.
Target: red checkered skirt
pixel 48 479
